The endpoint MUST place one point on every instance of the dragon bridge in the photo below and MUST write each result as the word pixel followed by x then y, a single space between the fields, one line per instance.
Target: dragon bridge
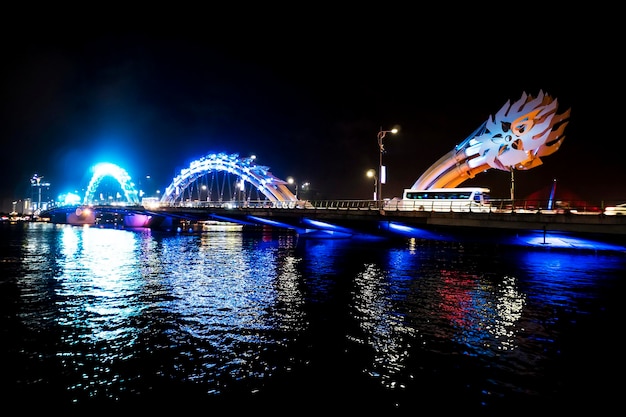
pixel 222 177
pixel 514 139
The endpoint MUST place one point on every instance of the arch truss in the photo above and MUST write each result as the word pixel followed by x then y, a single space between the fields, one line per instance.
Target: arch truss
pixel 218 177
pixel 104 171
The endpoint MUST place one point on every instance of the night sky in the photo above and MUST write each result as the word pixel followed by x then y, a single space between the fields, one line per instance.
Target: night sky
pixel 306 97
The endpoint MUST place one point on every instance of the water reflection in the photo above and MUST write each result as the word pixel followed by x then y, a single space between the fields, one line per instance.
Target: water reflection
pixel 214 300
pixel 427 298
pixel 121 315
pixel 98 284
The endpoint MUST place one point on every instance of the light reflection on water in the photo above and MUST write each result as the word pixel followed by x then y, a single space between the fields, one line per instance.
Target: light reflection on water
pixel 414 304
pixel 118 316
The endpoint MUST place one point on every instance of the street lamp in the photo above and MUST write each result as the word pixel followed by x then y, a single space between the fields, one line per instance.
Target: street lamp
pixel 372 174
pixel 304 187
pixel 292 181
pixel 382 171
pixel 241 190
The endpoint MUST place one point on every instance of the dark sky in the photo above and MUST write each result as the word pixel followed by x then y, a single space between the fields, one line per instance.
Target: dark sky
pixel 307 98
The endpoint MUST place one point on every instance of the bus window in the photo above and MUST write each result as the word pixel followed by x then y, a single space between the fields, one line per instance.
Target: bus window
pixel 446 199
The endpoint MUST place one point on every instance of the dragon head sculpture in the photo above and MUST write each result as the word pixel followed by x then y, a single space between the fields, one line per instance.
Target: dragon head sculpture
pixel 516 137
pixel 521 133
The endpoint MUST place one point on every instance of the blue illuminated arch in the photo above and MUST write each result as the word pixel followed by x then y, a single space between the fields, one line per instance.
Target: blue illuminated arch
pixel 271 187
pixel 106 169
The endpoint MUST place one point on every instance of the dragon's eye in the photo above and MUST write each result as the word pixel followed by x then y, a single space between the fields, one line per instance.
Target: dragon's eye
pixel 521 125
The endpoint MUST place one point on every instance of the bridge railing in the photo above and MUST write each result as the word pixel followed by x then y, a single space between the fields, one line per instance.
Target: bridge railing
pixel 495 205
pixel 263 204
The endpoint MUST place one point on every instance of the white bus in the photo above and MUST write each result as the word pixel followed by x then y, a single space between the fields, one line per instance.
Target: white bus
pixel 473 199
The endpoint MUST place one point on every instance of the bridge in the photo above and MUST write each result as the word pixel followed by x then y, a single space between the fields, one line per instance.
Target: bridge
pixel 227 188
pixel 365 219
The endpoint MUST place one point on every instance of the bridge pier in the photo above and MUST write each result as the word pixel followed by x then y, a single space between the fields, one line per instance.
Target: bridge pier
pixel 166 223
pixel 75 216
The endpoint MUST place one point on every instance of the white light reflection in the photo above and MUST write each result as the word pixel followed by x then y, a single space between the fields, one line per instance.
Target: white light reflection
pixel 384 328
pixel 209 287
pixel 483 314
pixel 245 290
pixel 421 299
pixel 290 298
pixel 98 282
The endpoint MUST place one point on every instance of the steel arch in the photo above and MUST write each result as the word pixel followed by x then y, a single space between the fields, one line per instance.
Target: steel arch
pixel 273 188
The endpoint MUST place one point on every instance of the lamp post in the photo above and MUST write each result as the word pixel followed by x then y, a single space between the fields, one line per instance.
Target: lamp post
pixel 241 188
pixel 291 180
pixel 372 174
pixel 512 185
pixel 304 187
pixel 382 171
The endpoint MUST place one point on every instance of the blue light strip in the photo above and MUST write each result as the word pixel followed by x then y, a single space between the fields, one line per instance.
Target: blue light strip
pixel 260 220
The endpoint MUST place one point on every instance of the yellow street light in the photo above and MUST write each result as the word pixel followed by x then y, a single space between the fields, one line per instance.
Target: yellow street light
pixel 371 173
pixel 292 181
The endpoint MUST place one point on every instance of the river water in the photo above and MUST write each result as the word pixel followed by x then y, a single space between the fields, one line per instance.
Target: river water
pixel 97 319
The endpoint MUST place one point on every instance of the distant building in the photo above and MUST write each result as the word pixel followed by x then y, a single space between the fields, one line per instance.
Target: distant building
pixel 40 196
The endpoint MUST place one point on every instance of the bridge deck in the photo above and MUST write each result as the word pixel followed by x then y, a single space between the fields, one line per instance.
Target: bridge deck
pixel 368 218
pixel 512 220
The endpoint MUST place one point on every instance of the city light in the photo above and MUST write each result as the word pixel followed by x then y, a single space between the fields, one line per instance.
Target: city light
pixel 292 181
pixel 372 174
